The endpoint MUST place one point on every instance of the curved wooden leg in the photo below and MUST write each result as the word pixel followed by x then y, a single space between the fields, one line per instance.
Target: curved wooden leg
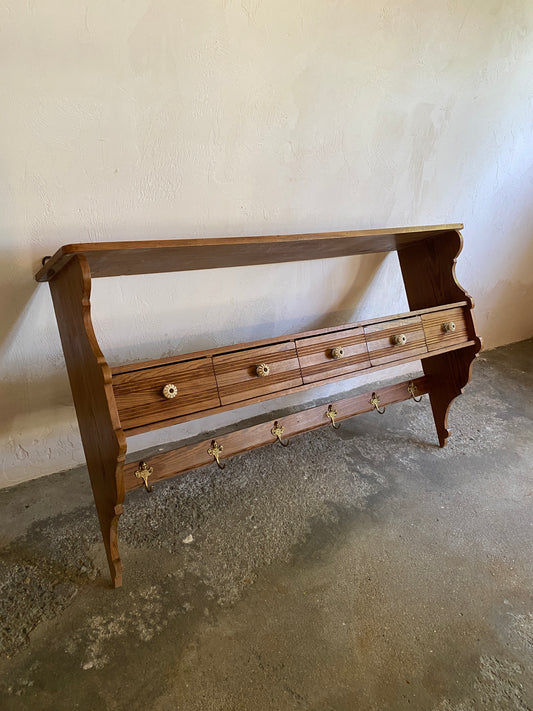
pixel 449 373
pixel 109 527
pixel 441 398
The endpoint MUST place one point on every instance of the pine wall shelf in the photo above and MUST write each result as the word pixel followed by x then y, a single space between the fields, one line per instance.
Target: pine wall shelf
pixel 115 403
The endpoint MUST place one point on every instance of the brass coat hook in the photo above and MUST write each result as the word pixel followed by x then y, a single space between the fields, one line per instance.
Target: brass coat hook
pixel 143 472
pixel 215 451
pixel 332 414
pixel 412 389
pixel 374 401
pixel 277 431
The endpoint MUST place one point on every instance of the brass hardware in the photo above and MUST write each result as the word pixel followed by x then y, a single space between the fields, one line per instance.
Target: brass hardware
pixel 262 370
pixel 277 431
pixel 337 353
pixel 45 259
pixel 215 451
pixel 399 339
pixel 143 472
pixel 374 400
pixel 332 414
pixel 448 327
pixel 412 389
pixel 170 391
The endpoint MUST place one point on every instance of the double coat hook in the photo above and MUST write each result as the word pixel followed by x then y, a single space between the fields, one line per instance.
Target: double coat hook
pixel 332 413
pixel 375 402
pixel 215 450
pixel 277 431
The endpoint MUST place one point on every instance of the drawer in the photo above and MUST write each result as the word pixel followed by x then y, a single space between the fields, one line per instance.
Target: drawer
pixel 237 373
pixel 140 399
pixel 381 340
pixel 444 328
pixel 319 359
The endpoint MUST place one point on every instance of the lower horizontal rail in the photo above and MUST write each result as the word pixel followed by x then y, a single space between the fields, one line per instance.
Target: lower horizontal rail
pixel 183 459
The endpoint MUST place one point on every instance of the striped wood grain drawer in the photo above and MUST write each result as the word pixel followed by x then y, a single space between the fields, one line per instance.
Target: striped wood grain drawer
pixel 237 377
pixel 317 354
pixel 140 399
pixel 444 328
pixel 381 337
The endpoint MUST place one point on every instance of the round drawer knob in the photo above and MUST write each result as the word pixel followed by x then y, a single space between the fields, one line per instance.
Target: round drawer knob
pixel 170 391
pixel 262 370
pixel 337 353
pixel 448 327
pixel 400 339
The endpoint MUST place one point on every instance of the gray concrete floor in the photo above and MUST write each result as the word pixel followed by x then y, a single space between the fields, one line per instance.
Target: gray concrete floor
pixel 361 569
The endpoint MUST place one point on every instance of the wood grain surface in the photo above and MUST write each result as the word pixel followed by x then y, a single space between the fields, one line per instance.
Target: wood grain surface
pixel 139 395
pixel 236 375
pixel 295 364
pixel 382 349
pixel 182 459
pixel 214 381
pixel 140 365
pixel 436 337
pixel 156 256
pixel 103 441
pixel 317 363
pixel 428 271
pixel 131 432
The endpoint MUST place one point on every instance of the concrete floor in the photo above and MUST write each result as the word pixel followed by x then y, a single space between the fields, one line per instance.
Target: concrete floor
pixel 364 569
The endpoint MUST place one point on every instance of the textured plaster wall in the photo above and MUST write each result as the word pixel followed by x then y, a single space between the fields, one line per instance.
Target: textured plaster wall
pixel 169 119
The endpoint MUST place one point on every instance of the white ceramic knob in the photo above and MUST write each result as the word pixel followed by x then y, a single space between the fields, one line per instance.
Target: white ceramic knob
pixel 170 391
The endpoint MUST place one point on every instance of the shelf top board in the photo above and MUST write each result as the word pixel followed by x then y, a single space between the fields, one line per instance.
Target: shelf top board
pixel 157 256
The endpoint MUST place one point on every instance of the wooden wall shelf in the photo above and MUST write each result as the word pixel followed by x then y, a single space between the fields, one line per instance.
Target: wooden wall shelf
pixel 113 404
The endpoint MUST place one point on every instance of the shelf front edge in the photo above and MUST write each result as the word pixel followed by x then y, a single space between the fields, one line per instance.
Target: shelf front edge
pixel 158 256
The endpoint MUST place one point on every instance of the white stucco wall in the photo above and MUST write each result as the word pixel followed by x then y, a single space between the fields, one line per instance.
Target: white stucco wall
pixel 167 119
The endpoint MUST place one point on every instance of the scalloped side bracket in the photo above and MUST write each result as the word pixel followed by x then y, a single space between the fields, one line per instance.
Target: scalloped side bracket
pixel 103 440
pixel 428 270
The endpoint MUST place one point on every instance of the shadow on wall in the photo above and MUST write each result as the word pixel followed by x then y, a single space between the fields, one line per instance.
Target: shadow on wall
pixel 31 383
pixel 514 298
pixel 17 287
pixel 354 293
pixel 239 315
pixel 39 387
pixel 44 397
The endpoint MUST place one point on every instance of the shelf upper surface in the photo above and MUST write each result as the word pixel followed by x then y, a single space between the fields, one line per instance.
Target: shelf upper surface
pixel 156 256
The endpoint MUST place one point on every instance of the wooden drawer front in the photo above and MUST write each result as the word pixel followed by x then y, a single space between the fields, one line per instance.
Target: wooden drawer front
pixel 380 340
pixel 237 378
pixel 316 359
pixel 140 399
pixel 435 326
